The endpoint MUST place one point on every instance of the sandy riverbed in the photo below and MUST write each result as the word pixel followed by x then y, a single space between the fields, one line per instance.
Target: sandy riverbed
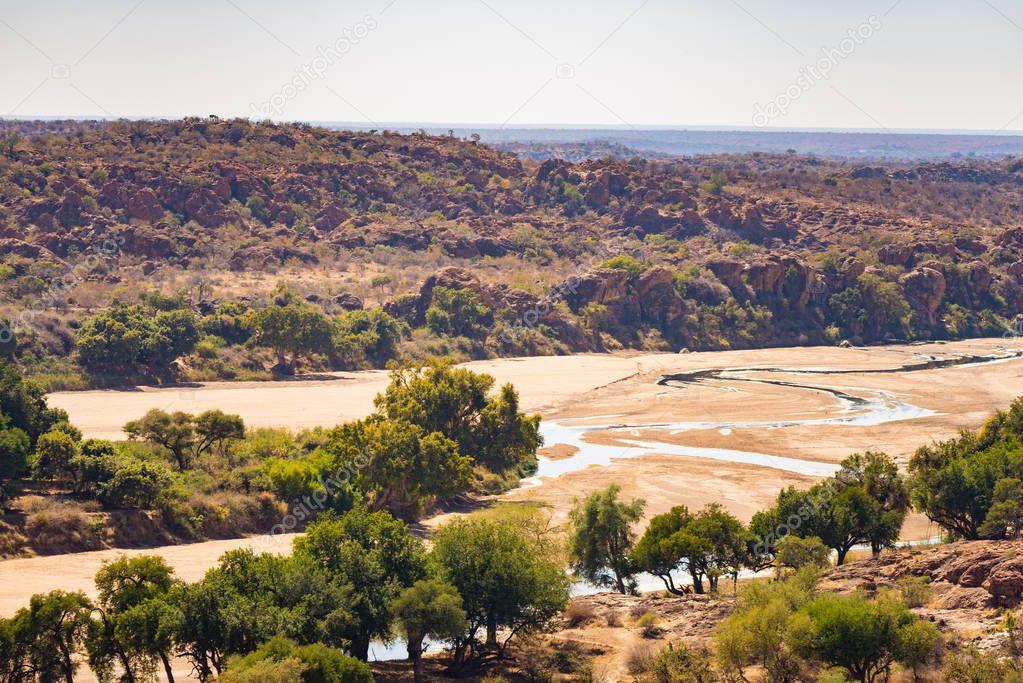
pixel 595 387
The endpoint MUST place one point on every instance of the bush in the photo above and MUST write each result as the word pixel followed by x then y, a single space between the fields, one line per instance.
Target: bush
pixel 915 591
pixel 624 262
pixel 678 664
pixel 55 452
pixel 134 485
pixel 578 614
pixel 647 623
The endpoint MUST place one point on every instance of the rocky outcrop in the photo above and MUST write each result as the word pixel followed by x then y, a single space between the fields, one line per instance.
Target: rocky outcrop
pixel 924 288
pixel 969 573
pixel 659 301
pixel 728 271
pixel 144 206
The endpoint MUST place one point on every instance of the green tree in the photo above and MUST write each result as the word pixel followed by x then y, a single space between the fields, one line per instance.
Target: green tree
pixel 428 608
pixel 15 447
pixel 864 638
pixel 655 553
pixel 135 626
pixel 601 538
pixel 795 553
pixel 953 482
pixel 129 339
pixel 55 452
pixel 439 397
pixel 215 429
pixel 370 333
pixel 398 466
pixel 878 475
pixel 373 557
pixel 457 313
pixel 23 405
pixel 174 431
pixel 1005 517
pixel 49 634
pixel 293 331
pixel 134 485
pixel 507 575
pixel 756 634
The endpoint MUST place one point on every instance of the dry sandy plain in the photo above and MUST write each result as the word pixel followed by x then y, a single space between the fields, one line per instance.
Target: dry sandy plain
pixel 605 389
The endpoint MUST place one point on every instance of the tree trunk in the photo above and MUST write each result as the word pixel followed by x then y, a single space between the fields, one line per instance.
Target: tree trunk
pixel 491 631
pixel 697 584
pixel 842 552
pixel 360 647
pixel 167 667
pixel 415 653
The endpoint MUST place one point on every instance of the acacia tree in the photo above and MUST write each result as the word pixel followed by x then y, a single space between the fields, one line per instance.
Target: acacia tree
pixel 601 538
pixel 186 436
pixel 428 608
pixel 174 431
pixel 655 553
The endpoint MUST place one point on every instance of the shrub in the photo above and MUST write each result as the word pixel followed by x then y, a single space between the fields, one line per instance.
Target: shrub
pixel 134 485
pixel 647 623
pixel 679 664
pixel 624 262
pixel 639 658
pixel 915 591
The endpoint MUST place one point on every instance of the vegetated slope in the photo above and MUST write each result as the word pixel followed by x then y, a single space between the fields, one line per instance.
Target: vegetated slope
pixel 717 251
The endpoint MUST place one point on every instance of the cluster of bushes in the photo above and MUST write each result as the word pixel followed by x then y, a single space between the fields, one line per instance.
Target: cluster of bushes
pixel 143 340
pixel 352 579
pixel 438 432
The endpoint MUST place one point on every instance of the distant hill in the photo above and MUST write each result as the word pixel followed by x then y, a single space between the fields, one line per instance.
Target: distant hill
pixel 908 146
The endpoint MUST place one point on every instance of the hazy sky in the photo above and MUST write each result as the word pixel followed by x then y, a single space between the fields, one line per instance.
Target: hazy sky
pixel 930 64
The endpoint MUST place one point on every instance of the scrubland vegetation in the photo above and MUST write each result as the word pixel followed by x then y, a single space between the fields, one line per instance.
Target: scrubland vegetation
pixel 486 584
pixel 208 249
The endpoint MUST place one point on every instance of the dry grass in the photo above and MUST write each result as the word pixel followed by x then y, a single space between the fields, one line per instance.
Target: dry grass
pixel 56 527
pixel 579 614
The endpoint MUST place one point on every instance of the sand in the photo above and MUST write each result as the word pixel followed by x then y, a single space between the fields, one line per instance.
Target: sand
pixel 590 388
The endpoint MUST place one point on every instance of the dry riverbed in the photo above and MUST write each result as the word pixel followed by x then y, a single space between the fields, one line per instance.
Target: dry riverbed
pixel 605 390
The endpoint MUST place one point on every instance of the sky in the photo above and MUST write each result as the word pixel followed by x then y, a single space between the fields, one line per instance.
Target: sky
pixel 884 64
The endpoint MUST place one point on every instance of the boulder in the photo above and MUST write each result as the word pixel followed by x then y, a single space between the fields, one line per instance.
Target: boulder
pixel 659 301
pixel 1005 581
pixel 347 301
pixel 895 254
pixel 980 277
pixel 924 288
pixel 145 206
pixel 729 271
pixel 766 278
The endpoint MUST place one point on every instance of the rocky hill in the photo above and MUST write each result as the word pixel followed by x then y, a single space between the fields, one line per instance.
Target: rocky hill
pixel 713 251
